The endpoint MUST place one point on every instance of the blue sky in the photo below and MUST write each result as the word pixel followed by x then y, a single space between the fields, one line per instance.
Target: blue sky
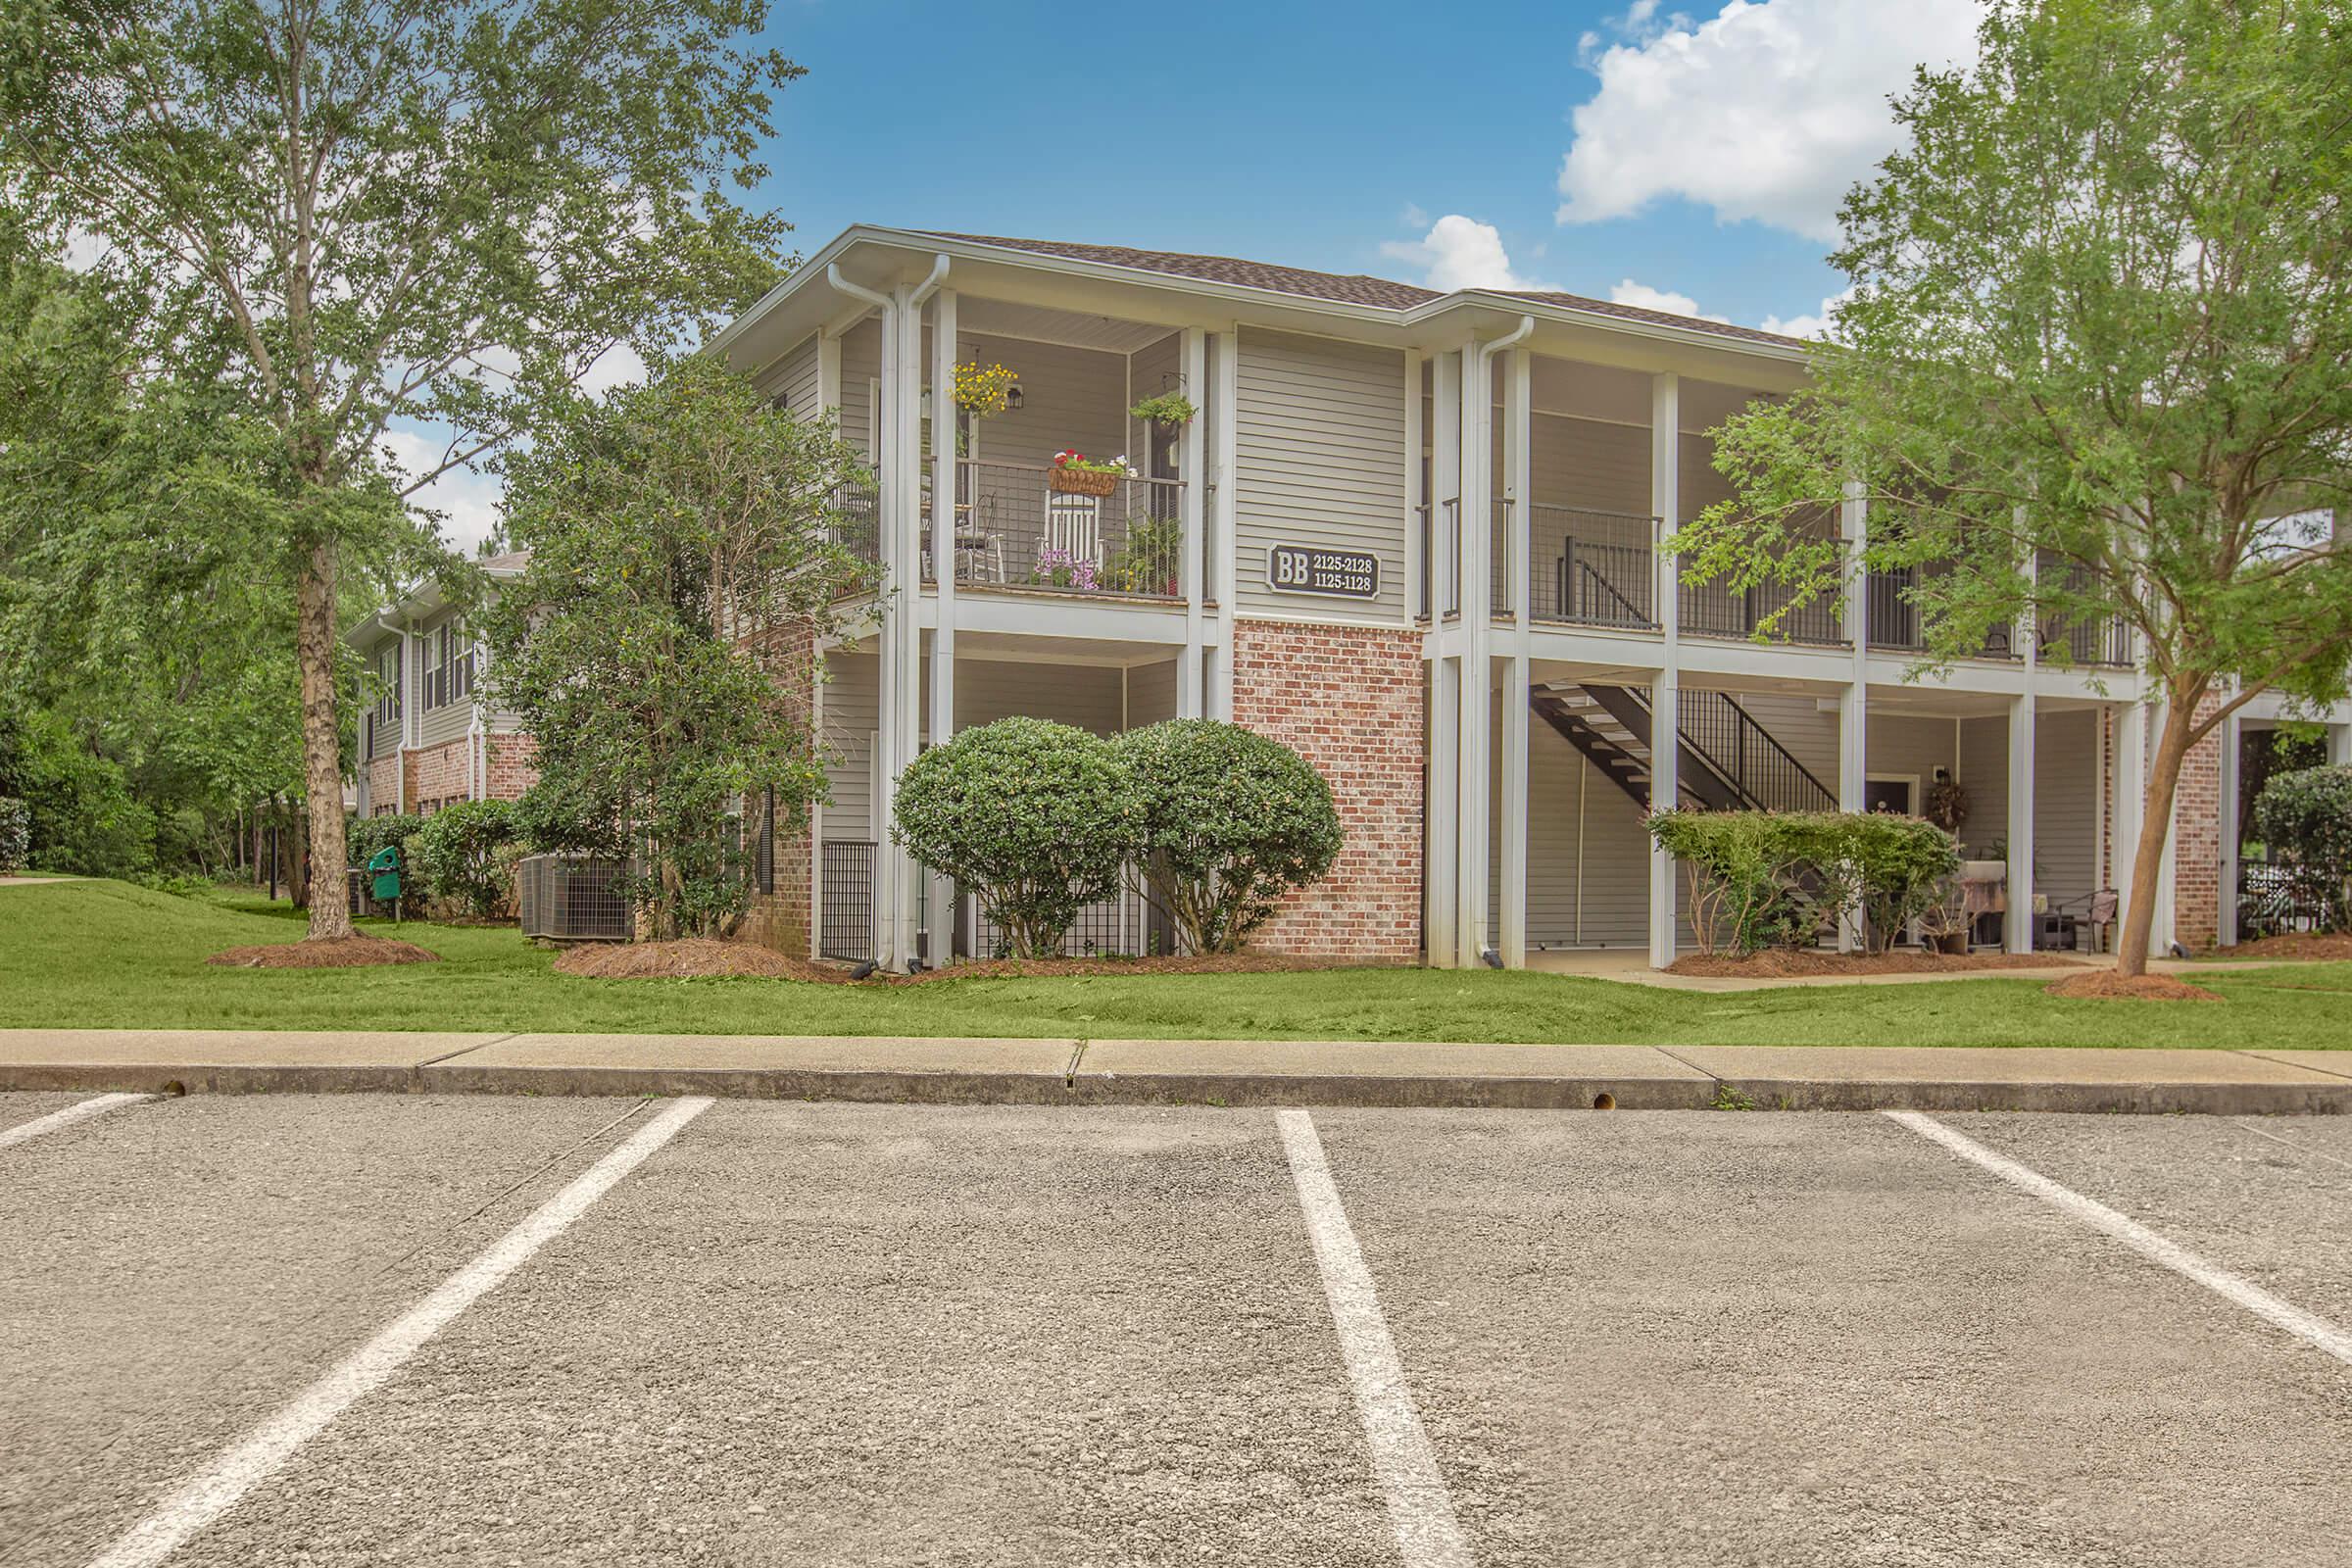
pixel 1686 159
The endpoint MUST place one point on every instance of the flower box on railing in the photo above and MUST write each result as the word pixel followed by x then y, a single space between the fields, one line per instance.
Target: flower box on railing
pixel 1074 473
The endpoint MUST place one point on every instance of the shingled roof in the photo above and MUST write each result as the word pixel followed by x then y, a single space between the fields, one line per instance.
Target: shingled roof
pixel 1353 288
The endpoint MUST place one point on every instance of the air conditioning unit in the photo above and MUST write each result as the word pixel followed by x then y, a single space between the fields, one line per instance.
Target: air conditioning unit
pixel 573 898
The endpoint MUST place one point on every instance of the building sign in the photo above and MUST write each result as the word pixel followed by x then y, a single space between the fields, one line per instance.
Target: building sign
pixel 1329 573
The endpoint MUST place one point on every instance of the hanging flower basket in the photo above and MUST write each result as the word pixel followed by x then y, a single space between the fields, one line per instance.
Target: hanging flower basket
pixel 1074 473
pixel 1082 482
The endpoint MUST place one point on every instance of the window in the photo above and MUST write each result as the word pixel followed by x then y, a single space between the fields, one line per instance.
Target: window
pixel 387 700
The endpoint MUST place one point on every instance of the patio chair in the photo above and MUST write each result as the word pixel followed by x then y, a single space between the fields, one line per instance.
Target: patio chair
pixel 1074 526
pixel 2098 911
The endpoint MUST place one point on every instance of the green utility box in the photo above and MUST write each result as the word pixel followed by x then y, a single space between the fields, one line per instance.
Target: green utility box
pixel 383 873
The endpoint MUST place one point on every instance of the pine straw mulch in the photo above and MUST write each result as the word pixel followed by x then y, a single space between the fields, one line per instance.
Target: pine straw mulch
pixel 2296 944
pixel 2105 985
pixel 701 958
pixel 343 953
pixel 1780 964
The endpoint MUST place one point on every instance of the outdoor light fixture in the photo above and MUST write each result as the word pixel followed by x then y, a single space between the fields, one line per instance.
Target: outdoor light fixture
pixel 1012 397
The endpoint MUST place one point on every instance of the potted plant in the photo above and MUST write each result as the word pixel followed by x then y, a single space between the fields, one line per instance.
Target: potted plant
pixel 1168 409
pixel 1946 803
pixel 983 391
pixel 1074 473
pixel 1944 924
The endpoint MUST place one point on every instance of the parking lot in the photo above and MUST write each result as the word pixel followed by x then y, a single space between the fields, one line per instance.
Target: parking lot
pixel 357 1329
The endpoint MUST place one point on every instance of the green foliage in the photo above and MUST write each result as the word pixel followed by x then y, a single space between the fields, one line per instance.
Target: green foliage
pixel 661 644
pixel 1228 821
pixel 343 218
pixel 1762 879
pixel 1036 818
pixel 460 859
pixel 2093 363
pixel 1168 408
pixel 2306 818
pixel 84 819
pixel 16 833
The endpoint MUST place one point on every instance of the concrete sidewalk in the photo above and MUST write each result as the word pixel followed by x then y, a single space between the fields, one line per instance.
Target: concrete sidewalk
pixel 1229 1072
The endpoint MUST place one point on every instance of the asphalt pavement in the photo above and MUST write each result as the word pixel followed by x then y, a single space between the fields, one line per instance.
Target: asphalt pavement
pixel 345 1329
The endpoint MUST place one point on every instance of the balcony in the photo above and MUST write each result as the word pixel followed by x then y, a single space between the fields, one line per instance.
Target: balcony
pixel 1014 529
pixel 1897 620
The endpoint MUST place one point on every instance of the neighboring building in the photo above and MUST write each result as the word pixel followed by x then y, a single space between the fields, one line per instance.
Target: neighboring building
pixel 428 738
pixel 1294 561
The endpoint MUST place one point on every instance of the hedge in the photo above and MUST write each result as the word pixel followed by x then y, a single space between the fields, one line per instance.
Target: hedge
pixel 2305 817
pixel 15 834
pixel 461 856
pixel 1762 879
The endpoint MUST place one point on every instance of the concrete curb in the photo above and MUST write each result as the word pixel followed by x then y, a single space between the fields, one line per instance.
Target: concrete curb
pixel 1235 1073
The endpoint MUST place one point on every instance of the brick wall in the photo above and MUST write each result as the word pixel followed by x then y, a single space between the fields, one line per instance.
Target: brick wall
pixel 1351 701
pixel 513 765
pixel 384 785
pixel 781 920
pixel 439 774
pixel 2198 840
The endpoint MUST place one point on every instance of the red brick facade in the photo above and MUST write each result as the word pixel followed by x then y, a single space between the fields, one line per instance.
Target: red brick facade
pixel 1351 700
pixel 782 919
pixel 513 765
pixel 2198 840
pixel 437 775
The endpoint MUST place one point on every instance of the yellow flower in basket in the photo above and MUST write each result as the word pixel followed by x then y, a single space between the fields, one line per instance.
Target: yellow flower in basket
pixel 982 390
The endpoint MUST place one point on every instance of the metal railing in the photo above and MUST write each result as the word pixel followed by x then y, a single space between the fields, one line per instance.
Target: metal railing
pixel 1109 927
pixel 2099 640
pixel 1710 609
pixel 857 527
pixel 1897 621
pixel 1012 529
pixel 1745 753
pixel 1603 569
pixel 2275 899
pixel 845 915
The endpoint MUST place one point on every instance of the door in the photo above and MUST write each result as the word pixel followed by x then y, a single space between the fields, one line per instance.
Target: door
pixel 1887 794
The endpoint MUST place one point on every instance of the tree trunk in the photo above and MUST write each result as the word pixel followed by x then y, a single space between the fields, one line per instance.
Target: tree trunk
pixel 322 763
pixel 2155 827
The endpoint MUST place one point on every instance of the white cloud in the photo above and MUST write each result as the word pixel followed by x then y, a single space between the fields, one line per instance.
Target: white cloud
pixel 1816 324
pixel 1766 110
pixel 464 501
pixel 617 367
pixel 1646 298
pixel 1460 252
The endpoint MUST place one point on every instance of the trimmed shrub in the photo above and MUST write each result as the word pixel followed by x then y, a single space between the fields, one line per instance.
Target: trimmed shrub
pixel 15 834
pixel 458 856
pixel 1229 821
pixel 1036 818
pixel 1762 879
pixel 2305 817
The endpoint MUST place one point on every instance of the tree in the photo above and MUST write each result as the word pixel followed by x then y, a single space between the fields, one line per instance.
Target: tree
pixel 1228 822
pixel 1036 818
pixel 2305 817
pixel 2097 362
pixel 663 643
pixel 434 211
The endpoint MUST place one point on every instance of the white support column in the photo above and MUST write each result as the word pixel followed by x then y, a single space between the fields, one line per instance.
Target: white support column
pixel 939 892
pixel 1192 470
pixel 2231 736
pixel 1477 570
pixel 1225 391
pixel 1441 872
pixel 897 607
pixel 1853 700
pixel 2016 930
pixel 1517 463
pixel 1416 562
pixel 2161 931
pixel 2339 745
pixel 1665 692
pixel 828 371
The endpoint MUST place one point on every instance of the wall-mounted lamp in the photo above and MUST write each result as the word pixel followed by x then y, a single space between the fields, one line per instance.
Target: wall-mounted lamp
pixel 1013 398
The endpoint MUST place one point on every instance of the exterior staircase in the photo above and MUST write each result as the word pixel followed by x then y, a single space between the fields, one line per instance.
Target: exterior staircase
pixel 1727 761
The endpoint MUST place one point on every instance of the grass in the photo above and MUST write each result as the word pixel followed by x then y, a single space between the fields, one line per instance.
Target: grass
pixel 100 954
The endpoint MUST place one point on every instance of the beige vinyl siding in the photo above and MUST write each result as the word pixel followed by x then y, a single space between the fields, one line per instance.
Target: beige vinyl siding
pixel 1807 732
pixel 851 702
pixel 860 366
pixel 1086 695
pixel 1587 880
pixel 1984 772
pixel 1908 744
pixel 1151 693
pixel 1320 453
pixel 450 721
pixel 1153 369
pixel 2066 805
pixel 1071 399
pixel 1584 462
pixel 794 378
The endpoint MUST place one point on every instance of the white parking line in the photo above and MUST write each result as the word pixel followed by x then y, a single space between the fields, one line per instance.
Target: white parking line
pixel 220 1485
pixel 1420 1511
pixel 2305 1326
pixel 58 1120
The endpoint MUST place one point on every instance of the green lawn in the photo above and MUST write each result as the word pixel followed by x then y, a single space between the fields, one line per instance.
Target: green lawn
pixel 107 955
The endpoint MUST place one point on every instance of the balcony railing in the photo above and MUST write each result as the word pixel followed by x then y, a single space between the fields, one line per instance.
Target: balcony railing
pixel 857 527
pixel 1441 547
pixel 1014 529
pixel 1593 568
pixel 1898 624
pixel 2104 641
pixel 1711 610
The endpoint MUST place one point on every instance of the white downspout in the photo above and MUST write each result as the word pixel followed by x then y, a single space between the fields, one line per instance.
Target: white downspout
pixel 1477 524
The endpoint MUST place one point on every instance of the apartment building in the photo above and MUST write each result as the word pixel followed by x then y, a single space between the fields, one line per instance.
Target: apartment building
pixel 428 734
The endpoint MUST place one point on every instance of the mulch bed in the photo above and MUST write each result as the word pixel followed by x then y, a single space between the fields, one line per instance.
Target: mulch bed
pixel 344 953
pixel 2298 945
pixel 2105 985
pixel 1783 965
pixel 701 958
